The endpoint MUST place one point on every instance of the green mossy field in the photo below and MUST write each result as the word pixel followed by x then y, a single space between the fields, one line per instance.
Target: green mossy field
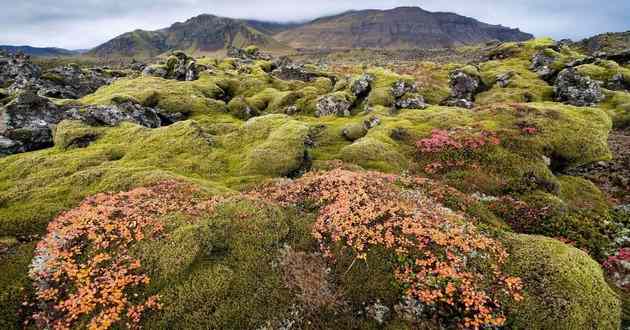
pixel 243 128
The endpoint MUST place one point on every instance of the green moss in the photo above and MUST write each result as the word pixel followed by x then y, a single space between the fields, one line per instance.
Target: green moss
pixel 374 154
pixel 189 97
pixel 564 288
pixel 354 131
pixel 71 134
pixel 278 152
pixel 14 284
pixel 217 273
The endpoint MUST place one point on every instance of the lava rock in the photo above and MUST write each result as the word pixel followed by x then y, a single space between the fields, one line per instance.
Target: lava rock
pixel 541 64
pixel 575 89
pixel 332 105
pixel 112 115
pixel 251 53
pixel 411 101
pixel 503 80
pixel 294 72
pixel 362 86
pixel 28 121
pixel 402 87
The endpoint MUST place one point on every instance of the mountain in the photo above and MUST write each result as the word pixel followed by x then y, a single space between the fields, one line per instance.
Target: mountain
pixel 38 51
pixel 607 42
pixel 403 27
pixel 203 33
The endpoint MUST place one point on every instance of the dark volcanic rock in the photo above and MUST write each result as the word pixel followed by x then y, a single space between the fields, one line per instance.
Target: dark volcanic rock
pixel 410 101
pixel 27 122
pixel 69 82
pixel 179 66
pixel 112 115
pixel 249 54
pixel 333 105
pixel 293 71
pixel 17 70
pixel 578 90
pixel 362 86
pixel 464 87
pixel 542 64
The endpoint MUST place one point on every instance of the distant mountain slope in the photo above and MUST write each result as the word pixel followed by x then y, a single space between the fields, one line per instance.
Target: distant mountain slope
pixel 403 27
pixel 38 51
pixel 203 33
pixel 607 42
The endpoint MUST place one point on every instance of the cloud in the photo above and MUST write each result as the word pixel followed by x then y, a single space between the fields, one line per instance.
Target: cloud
pixel 87 23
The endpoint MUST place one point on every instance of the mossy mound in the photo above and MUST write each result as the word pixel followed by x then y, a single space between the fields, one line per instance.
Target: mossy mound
pixel 564 287
pixel 75 134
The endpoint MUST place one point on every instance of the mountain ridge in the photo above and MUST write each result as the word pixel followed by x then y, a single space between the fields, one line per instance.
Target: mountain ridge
pixel 397 28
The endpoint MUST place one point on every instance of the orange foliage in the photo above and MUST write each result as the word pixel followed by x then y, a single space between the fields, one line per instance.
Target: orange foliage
pixel 445 261
pixel 82 269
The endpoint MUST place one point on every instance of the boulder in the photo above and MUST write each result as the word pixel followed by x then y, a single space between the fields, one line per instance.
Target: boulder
pixel 179 66
pixel 362 86
pixel 112 115
pixel 71 82
pixel 294 72
pixel 618 83
pixel 411 101
pixel 402 87
pixel 578 90
pixel 542 65
pixel 333 105
pixel 17 70
pixel 251 53
pixel 503 80
pixel 27 123
pixel 464 86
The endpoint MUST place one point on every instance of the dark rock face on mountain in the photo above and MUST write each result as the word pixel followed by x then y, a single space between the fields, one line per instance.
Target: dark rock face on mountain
pixel 404 27
pixel 204 33
pixel 399 28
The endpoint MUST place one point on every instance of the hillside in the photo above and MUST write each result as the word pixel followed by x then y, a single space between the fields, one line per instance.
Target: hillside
pixel 606 42
pixel 404 27
pixel 38 51
pixel 204 33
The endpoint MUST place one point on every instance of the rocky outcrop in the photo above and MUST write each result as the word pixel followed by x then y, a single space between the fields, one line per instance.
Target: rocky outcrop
pixel 333 105
pixel 410 101
pixel 578 90
pixel 27 122
pixel 362 86
pixel 178 66
pixel 464 87
pixel 542 65
pixel 17 70
pixel 18 73
pixel 292 71
pixel 251 53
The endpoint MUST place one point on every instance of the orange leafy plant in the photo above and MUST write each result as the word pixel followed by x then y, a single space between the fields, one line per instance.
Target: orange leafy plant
pixel 445 262
pixel 82 271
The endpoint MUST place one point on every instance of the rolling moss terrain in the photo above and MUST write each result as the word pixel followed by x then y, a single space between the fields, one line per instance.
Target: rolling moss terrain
pixel 245 262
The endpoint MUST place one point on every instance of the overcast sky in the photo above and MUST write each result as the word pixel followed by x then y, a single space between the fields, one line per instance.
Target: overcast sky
pixel 87 23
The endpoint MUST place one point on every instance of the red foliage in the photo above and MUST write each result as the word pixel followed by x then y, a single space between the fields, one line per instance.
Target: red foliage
pixel 442 140
pixel 82 269
pixel 618 268
pixel 445 261
pixel 522 217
